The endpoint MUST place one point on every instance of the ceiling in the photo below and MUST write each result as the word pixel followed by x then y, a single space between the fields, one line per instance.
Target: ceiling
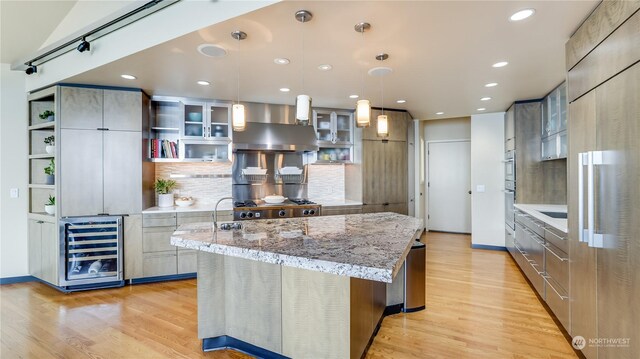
pixel 441 54
pixel 26 25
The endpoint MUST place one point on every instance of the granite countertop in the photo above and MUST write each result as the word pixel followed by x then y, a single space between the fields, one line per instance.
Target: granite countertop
pixel 196 207
pixel 370 246
pixel 228 206
pixel 535 209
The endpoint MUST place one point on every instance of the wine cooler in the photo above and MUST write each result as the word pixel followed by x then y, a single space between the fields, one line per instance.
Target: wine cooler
pixel 91 252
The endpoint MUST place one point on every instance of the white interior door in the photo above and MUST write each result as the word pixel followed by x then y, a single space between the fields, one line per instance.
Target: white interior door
pixel 448 185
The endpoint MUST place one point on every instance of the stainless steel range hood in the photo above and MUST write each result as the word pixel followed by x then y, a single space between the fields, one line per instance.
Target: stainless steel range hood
pixel 275 137
pixel 272 127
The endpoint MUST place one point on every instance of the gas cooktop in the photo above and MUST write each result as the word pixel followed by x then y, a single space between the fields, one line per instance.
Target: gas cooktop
pixel 258 209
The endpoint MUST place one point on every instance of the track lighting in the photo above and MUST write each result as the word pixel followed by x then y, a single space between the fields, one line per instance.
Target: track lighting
pixel 84 45
pixel 32 69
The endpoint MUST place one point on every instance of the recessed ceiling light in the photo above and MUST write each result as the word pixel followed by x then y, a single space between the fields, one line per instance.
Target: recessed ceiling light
pixel 285 89
pixel 401 101
pixel 481 109
pixel 485 99
pixel 325 67
pixel 281 61
pixel 353 96
pixel 204 83
pixel 522 14
pixel 128 77
pixel 491 84
pixel 440 113
pixel 500 64
pixel 212 50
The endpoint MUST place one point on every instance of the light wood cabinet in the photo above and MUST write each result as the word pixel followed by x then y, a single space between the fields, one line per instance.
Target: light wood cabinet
pixel 341 210
pixel 80 108
pixel 187 261
pixel 132 231
pixel 101 157
pixel 385 176
pixel 44 251
pixel 157 264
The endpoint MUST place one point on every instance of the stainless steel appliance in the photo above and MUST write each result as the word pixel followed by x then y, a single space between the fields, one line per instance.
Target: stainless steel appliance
pixel 510 188
pixel 271 159
pixel 245 210
pixel 91 252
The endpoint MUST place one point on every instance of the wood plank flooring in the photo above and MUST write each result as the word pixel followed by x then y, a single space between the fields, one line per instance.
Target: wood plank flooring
pixel 478 306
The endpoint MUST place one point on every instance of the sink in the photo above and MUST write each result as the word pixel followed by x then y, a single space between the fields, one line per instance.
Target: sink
pixel 555 214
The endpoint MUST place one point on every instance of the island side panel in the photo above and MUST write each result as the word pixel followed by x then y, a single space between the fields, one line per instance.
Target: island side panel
pixel 253 302
pixel 239 298
pixel 211 293
pixel 316 314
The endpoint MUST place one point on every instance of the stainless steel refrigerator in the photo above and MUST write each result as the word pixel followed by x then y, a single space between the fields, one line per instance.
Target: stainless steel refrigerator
pixel 604 216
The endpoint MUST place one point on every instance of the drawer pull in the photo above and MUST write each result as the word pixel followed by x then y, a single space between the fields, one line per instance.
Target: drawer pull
pixel 557 236
pixel 554 253
pixel 546 279
pixel 536 269
pixel 524 254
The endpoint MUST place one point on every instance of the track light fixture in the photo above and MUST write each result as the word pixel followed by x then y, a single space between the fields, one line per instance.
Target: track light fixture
pixel 32 69
pixel 84 45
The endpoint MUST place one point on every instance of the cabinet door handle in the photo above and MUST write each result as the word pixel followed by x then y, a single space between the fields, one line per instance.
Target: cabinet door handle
pixel 582 235
pixel 595 239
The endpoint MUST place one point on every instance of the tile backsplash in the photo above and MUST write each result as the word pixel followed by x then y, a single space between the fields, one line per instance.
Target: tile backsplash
pixel 326 183
pixel 203 190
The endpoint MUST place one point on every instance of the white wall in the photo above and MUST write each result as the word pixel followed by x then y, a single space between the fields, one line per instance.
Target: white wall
pixel 440 130
pixel 13 174
pixel 179 19
pixel 487 169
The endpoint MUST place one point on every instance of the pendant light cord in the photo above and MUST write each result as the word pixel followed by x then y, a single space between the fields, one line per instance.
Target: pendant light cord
pixel 362 73
pixel 303 21
pixel 238 70
pixel 382 90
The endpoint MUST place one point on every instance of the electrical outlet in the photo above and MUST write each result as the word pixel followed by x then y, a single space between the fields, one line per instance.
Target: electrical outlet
pixel 14 193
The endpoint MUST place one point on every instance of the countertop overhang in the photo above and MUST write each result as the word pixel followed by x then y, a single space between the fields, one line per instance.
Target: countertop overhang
pixel 369 246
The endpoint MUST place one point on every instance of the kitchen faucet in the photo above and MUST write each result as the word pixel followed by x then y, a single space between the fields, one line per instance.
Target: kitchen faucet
pixel 215 213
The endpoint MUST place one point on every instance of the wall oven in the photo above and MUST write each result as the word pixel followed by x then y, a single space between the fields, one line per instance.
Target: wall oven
pixel 510 166
pixel 509 201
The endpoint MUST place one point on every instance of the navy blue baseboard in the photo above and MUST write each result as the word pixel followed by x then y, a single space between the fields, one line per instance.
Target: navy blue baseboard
pixel 21 279
pixel 227 342
pixel 163 278
pixel 491 248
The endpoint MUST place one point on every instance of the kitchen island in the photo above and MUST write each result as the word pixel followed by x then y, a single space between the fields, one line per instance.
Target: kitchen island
pixel 312 287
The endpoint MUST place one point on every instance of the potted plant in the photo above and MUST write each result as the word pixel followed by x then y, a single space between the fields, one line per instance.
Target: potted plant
pixel 50 143
pixel 163 188
pixel 50 206
pixel 50 171
pixel 47 116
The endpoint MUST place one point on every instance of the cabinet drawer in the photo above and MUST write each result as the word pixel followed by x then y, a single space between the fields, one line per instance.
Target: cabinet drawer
pixel 535 249
pixel 557 266
pixel 195 219
pixel 557 238
pixel 531 270
pixel 341 210
pixel 161 263
pixel 187 261
pixel 158 219
pixel 558 300
pixel 533 224
pixel 157 239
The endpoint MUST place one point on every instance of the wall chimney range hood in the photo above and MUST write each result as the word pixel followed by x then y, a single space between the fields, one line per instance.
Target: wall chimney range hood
pixel 272 128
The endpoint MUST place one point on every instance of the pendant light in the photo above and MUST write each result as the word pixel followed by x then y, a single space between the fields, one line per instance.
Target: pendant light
pixel 238 118
pixel 303 102
pixel 383 121
pixel 363 106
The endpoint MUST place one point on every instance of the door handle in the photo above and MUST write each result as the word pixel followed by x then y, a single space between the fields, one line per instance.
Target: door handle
pixel 596 240
pixel 469 192
pixel 582 232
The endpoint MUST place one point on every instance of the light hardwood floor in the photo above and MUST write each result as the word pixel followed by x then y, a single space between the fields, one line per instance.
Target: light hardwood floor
pixel 478 306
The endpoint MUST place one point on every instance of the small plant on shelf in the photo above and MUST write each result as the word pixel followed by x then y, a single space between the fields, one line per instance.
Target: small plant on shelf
pixel 50 171
pixel 47 115
pixel 163 188
pixel 50 143
pixel 50 206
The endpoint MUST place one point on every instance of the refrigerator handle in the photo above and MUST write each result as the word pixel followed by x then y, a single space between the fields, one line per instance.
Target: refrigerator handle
pixel 590 199
pixel 582 232
pixel 596 240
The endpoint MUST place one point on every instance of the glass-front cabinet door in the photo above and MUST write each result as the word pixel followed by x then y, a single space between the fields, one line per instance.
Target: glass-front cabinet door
pixel 219 116
pixel 194 120
pixel 334 130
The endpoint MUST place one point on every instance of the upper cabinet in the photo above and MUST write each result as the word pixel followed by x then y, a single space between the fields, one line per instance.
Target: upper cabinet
pixel 398 126
pixel 554 124
pixel 188 130
pixel 334 130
